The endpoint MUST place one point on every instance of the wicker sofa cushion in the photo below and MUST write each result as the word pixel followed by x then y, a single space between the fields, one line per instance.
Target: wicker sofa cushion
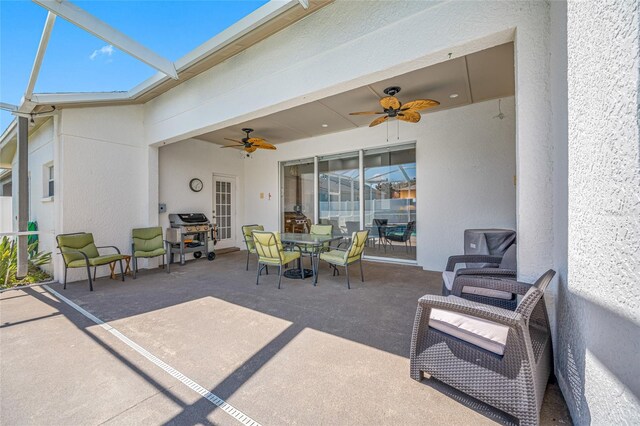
pixel 449 276
pixel 485 334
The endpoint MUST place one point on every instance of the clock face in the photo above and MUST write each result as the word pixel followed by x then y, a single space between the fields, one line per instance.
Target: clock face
pixel 195 185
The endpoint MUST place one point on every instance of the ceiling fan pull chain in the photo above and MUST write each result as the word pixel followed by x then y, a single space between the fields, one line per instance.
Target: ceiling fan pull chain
pixel 398 129
pixel 387 130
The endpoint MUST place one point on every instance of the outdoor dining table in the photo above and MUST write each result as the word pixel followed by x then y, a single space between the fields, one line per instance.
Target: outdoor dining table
pixel 313 243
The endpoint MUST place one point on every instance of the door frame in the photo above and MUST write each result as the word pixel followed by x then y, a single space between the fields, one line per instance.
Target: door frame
pixel 233 241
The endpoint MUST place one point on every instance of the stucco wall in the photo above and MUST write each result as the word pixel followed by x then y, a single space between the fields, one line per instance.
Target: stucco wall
pixel 180 162
pixel 465 163
pixel 599 305
pixel 41 208
pixel 105 167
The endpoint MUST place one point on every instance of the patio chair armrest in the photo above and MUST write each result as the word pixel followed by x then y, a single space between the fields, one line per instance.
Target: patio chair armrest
pixel 471 258
pixel 292 247
pixel 491 283
pixel 341 243
pixel 492 272
pixel 113 247
pixel 475 309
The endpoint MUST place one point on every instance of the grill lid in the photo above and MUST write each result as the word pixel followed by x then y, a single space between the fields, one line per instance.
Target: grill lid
pixel 188 219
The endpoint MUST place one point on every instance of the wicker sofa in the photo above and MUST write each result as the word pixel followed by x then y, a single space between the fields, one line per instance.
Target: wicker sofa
pixel 499 356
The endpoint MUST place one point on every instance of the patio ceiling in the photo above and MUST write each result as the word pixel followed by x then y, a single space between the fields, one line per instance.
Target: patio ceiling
pixel 481 76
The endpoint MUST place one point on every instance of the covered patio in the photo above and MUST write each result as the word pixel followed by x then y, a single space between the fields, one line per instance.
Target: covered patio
pixel 301 355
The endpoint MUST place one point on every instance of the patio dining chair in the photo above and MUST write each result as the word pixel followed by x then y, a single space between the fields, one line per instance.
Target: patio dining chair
pixel 498 356
pixel 344 257
pixel 148 243
pixel 401 234
pixel 248 239
pixel 271 253
pixel 78 250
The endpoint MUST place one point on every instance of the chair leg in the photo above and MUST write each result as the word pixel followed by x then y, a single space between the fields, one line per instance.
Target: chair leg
pixel 361 273
pixel 95 268
pixel 121 270
pixel 248 253
pixel 168 263
pixel 279 276
pixel 65 277
pixel 89 275
pixel 346 268
pixel 135 266
pixel 258 277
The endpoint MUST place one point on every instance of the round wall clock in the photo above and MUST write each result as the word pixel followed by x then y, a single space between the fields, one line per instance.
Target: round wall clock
pixel 196 185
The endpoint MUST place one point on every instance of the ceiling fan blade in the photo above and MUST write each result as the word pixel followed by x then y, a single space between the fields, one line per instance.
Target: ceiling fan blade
pixel 233 140
pixel 378 121
pixel 410 116
pixel 265 145
pixel 251 149
pixel 419 104
pixel 232 146
pixel 366 113
pixel 390 102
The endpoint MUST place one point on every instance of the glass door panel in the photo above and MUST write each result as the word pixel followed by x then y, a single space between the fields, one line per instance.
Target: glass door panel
pixel 339 193
pixel 390 202
pixel 297 196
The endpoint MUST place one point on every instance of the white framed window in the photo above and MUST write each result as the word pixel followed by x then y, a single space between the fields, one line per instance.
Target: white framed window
pixel 48 183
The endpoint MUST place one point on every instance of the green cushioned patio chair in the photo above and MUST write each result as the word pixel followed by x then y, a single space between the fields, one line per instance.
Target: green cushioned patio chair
pixel 248 239
pixel 271 252
pixel 344 257
pixel 148 243
pixel 78 251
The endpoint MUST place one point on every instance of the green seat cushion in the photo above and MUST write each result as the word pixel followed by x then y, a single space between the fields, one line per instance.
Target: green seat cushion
pixel 287 256
pixel 152 253
pixel 147 240
pixel 95 261
pixel 334 256
pixel 77 242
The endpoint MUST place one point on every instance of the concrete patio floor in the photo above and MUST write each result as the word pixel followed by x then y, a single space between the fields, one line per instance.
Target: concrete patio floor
pixel 299 355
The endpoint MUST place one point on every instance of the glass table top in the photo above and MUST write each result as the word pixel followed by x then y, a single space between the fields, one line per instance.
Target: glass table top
pixel 310 239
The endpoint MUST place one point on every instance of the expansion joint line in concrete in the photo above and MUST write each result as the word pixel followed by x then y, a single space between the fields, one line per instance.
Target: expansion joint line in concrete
pixel 217 401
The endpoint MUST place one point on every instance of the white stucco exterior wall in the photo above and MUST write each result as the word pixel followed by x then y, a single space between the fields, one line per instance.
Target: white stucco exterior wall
pixel 465 163
pixel 599 305
pixel 180 162
pixel 104 180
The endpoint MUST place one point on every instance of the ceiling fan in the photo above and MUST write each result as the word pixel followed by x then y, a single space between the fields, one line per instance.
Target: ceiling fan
pixel 392 107
pixel 248 143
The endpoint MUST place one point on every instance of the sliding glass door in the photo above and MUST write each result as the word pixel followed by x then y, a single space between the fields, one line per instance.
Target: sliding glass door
pixel 368 189
pixel 339 192
pixel 390 202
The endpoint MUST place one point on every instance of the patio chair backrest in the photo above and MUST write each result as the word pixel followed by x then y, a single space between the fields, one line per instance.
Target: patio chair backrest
pixel 409 229
pixel 247 231
pixel 268 245
pixel 321 229
pixel 147 239
pixel 358 241
pixel 77 242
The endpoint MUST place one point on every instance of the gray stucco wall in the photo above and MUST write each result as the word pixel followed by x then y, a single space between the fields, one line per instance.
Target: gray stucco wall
pixel 598 348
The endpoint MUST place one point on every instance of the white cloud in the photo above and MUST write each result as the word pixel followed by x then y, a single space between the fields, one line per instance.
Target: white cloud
pixel 104 50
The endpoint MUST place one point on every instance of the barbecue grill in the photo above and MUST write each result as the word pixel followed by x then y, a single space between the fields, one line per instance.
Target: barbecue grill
pixel 189 233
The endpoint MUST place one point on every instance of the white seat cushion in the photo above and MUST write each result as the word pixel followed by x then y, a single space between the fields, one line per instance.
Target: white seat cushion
pixel 482 333
pixel 449 276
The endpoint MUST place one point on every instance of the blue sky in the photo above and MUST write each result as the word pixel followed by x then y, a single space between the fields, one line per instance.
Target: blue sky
pixel 79 62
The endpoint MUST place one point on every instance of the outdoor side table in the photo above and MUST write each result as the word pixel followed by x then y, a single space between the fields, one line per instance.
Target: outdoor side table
pixel 127 269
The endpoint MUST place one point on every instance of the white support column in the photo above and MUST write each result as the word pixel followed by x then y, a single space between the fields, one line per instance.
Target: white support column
pixel 361 180
pixel 23 195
